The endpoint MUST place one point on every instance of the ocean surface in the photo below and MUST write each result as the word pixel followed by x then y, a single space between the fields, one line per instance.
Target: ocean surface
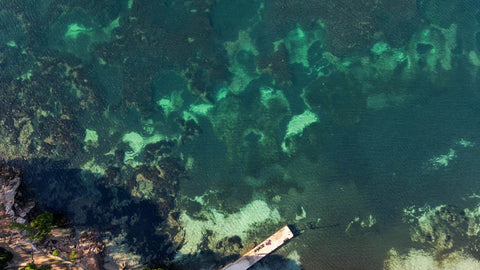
pixel 184 132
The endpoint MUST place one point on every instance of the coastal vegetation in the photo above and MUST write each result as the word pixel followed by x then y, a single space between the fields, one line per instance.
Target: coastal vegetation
pixel 38 228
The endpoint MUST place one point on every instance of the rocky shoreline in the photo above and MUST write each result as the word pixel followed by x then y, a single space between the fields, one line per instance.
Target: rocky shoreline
pixel 64 248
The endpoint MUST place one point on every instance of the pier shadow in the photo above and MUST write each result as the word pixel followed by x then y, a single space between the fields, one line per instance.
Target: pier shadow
pixel 208 260
pixel 276 262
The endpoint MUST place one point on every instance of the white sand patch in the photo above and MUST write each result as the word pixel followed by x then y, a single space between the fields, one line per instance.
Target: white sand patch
pixel 167 105
pixel 296 126
pixel 443 160
pixel 302 215
pixel 137 142
pixel 474 59
pixel 299 122
pixel 466 143
pixel 76 29
pixel 440 161
pixel 268 93
pixel 171 103
pixel 91 136
pixel 11 43
pixel 221 225
pixel 299 42
pixel 201 109
pixel 437 162
pixel 379 48
pixel 241 76
pixel 222 93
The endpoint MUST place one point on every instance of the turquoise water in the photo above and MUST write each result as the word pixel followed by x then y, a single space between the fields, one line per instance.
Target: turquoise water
pixel 186 131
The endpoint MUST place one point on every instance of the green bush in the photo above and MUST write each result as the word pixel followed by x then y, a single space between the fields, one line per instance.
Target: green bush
pixel 5 257
pixel 32 266
pixel 43 223
pixel 38 228
pixel 73 255
pixel 56 252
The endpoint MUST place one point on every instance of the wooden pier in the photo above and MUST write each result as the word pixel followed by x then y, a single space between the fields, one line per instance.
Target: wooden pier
pixel 269 245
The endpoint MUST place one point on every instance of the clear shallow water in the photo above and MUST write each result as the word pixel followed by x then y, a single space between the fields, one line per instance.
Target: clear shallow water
pixel 177 128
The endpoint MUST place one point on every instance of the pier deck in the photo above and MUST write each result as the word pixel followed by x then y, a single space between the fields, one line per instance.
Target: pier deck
pixel 270 244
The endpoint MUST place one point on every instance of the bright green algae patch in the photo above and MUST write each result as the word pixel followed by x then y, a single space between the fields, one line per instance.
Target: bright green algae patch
pixel 91 136
pixel 74 30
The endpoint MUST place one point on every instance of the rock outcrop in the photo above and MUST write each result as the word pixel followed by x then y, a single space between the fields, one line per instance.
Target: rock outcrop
pixel 11 196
